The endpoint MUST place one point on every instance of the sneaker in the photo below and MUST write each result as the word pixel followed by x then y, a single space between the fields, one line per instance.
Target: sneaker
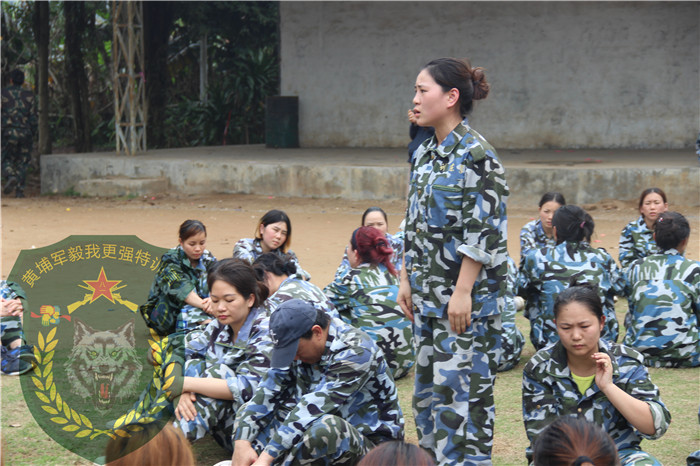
pixel 17 361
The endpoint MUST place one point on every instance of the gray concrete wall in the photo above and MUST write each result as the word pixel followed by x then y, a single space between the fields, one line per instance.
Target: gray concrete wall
pixel 563 74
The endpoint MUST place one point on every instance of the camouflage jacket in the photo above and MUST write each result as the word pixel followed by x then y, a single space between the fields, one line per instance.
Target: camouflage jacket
pixel 365 297
pixel 352 381
pixel 636 242
pixel 549 391
pixel 664 302
pixel 532 237
pixel 249 249
pixel 547 272
pixel 512 339
pixel 456 208
pixel 18 112
pixel 248 356
pixel 396 243
pixel 294 287
pixel 174 280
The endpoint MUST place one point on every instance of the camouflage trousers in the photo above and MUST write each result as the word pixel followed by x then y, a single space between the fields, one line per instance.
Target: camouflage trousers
pixel 453 400
pixel 634 457
pixel 10 330
pixel 330 440
pixel 16 155
pixel 512 342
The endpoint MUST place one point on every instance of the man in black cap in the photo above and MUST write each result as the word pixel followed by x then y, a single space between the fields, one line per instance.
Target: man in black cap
pixel 329 395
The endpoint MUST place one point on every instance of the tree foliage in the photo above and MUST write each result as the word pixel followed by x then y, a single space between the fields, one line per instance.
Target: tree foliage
pixel 242 52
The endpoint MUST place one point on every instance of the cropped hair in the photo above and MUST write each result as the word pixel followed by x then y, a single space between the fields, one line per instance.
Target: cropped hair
pixel 648 191
pixel 373 209
pixel 552 196
pixel 322 320
pixel 190 228
pixel 276 216
pixel 17 77
pixel 274 263
pixel 670 229
pixel 572 441
pixel 452 73
pixel 151 444
pixel 582 293
pixel 372 247
pixel 397 453
pixel 572 224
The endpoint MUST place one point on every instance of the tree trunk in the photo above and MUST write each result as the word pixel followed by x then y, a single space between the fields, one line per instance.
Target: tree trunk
pixel 41 34
pixel 75 23
pixel 157 24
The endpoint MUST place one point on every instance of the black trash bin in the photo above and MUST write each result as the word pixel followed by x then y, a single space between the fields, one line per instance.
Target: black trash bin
pixel 282 121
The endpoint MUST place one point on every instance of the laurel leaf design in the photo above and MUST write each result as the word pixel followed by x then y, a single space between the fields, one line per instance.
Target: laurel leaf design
pixel 56 396
pixel 40 342
pixel 47 370
pixel 59 420
pixel 135 427
pixel 49 380
pixel 43 397
pixel 49 409
pixel 86 421
pixel 66 410
pixel 50 336
pixel 71 428
pixel 130 417
pixel 48 357
pixel 76 417
pixel 122 433
pixel 38 383
pixel 37 355
pixel 83 433
pixel 52 345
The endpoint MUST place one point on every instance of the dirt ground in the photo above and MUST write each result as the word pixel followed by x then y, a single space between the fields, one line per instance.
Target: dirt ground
pixel 321 227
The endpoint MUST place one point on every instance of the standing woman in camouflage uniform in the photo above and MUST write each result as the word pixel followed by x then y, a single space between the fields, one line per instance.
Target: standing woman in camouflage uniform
pixel 365 296
pixel 637 238
pixel 273 233
pixel 225 361
pixel 19 125
pixel 664 299
pixel 453 283
pixel 585 376
pixel 549 271
pixel 539 233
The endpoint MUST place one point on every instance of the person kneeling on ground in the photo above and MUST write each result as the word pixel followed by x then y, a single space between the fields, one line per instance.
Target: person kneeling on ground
pixel 343 398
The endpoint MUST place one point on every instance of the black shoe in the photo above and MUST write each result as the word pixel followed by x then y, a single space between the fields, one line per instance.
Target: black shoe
pixel 10 184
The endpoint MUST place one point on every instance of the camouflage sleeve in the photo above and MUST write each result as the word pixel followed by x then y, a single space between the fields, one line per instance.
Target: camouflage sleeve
pixel 527 240
pixel 243 249
pixel 625 247
pixel 338 291
pixel 301 273
pixel 197 342
pixel 255 364
pixel 539 405
pixel 617 277
pixel 485 191
pixel 175 283
pixel 639 385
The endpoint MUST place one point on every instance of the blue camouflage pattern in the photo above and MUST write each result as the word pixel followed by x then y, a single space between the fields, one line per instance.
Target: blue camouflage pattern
pixel 213 352
pixel 249 249
pixel 456 208
pixel 365 297
pixel 545 273
pixel 306 403
pixel 549 391
pixel 664 307
pixel 293 287
pixel 512 339
pixel 533 237
pixel 636 242
pixel 11 326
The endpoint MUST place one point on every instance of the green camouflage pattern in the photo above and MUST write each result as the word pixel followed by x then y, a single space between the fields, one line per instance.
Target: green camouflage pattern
pixel 396 243
pixel 165 311
pixel 664 307
pixel 211 352
pixel 365 297
pixel 636 242
pixel 547 272
pixel 295 406
pixel 549 391
pixel 19 125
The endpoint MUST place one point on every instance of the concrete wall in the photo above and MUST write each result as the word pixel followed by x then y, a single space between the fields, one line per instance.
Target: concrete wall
pixel 563 74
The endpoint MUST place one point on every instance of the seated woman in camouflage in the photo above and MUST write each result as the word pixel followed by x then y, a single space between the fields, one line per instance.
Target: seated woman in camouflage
pixel 225 361
pixel 179 297
pixel 637 238
pixel 376 217
pixel 539 233
pixel 585 376
pixel 273 234
pixel 664 299
pixel 365 297
pixel 280 275
pixel 548 271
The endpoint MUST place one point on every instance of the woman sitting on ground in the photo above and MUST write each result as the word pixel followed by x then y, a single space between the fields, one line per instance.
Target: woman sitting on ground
pixel 365 297
pixel 664 299
pixel 273 233
pixel 548 271
pixel 585 376
pixel 279 273
pixel 538 233
pixel 637 238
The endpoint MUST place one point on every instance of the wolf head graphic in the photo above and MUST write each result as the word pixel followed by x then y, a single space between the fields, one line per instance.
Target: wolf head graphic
pixel 103 364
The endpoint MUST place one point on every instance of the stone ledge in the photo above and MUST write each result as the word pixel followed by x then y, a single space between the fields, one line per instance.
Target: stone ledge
pixel 119 186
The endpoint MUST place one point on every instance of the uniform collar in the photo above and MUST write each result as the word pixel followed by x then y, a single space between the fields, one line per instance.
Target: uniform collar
pixel 557 365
